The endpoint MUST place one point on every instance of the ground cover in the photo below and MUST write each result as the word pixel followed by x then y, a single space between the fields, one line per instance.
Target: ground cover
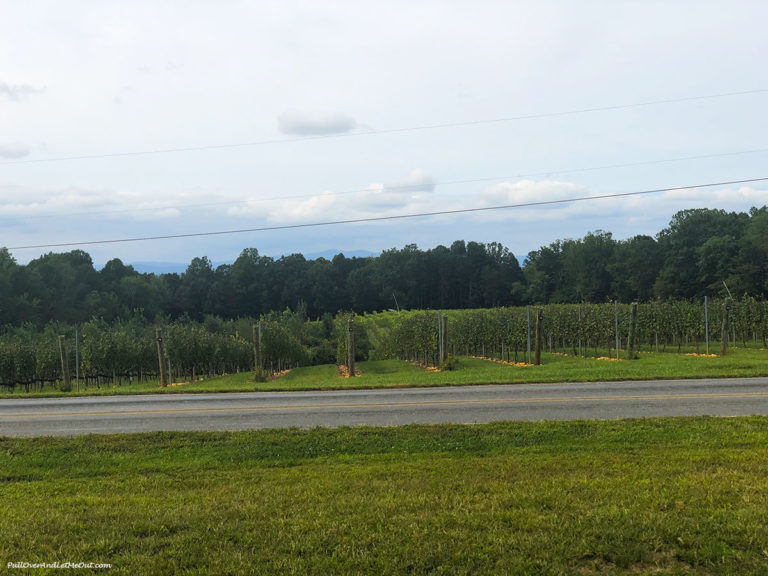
pixel 667 496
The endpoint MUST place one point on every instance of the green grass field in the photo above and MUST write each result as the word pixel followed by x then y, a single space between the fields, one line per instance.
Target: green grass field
pixel 740 362
pixel 660 496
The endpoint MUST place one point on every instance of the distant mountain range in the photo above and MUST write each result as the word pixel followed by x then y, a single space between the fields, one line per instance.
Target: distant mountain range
pixel 180 267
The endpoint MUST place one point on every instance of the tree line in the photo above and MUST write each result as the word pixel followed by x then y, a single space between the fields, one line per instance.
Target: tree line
pixel 699 252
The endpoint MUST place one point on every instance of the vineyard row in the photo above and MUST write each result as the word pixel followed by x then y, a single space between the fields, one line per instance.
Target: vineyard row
pixel 96 353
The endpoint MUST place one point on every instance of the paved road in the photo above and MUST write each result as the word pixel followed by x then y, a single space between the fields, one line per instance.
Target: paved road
pixel 239 411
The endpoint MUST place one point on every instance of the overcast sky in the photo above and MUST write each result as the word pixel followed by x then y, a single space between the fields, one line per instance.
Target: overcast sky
pixel 323 100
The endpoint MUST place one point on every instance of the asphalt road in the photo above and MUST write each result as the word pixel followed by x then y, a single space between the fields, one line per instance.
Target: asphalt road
pixel 240 411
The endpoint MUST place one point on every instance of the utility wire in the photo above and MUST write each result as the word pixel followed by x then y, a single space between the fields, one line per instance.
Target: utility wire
pixel 386 131
pixel 404 187
pixel 384 218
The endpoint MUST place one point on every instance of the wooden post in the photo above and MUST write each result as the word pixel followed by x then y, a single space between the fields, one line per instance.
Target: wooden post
pixel 256 334
pixel 539 318
pixel 66 383
pixel 260 341
pixel 445 337
pixel 631 338
pixel 161 358
pixel 77 360
pixel 350 348
pixel 255 340
pixel 616 320
pixel 528 316
pixel 724 347
pixel 706 322
pixel 580 330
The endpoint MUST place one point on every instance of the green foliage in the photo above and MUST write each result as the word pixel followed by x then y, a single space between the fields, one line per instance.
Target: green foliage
pixel 567 328
pixel 17 361
pixel 215 346
pixel 124 348
pixel 451 363
pixel 280 348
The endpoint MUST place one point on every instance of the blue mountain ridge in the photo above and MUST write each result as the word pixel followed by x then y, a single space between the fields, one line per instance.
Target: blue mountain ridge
pixel 149 267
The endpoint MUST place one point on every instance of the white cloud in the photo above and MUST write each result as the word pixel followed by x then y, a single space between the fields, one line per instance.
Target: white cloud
pixel 527 191
pixel 417 181
pixel 13 150
pixel 625 216
pixel 722 196
pixel 28 202
pixel 524 192
pixel 409 194
pixel 89 206
pixel 304 123
pixel 18 92
pixel 731 199
pixel 156 214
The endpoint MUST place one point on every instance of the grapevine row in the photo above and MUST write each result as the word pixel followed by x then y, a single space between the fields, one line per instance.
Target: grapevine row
pixel 121 353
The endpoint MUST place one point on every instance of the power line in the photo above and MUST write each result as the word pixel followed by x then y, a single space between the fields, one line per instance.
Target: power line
pixel 384 218
pixel 387 130
pixel 388 187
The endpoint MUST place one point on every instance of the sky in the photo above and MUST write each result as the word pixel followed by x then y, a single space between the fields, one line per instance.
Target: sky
pixel 132 119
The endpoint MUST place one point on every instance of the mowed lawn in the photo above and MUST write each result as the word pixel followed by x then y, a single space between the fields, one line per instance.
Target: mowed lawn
pixel 739 362
pixel 660 496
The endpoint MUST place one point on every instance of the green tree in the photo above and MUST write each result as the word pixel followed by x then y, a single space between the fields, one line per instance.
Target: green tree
pixel 634 268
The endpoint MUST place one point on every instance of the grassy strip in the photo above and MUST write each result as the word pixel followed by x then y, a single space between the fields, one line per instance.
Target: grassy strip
pixel 670 496
pixel 650 366
pixel 740 362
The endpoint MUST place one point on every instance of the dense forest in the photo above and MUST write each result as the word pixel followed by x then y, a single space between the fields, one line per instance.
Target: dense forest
pixel 692 257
